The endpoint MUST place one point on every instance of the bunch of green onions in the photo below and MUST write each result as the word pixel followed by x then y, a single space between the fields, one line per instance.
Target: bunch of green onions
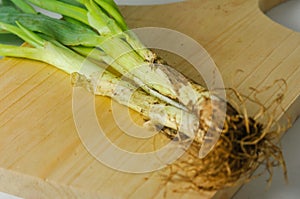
pixel 93 32
pixel 96 29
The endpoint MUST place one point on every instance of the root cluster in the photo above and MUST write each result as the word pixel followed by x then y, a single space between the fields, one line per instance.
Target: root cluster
pixel 244 144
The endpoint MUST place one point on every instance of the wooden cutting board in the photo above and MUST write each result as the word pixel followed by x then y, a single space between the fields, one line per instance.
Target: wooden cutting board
pixel 41 155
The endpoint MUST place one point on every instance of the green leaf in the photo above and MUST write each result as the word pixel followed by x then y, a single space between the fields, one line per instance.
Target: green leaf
pixel 25 7
pixel 97 18
pixel 73 2
pixel 62 31
pixel 112 9
pixel 74 21
pixel 20 33
pixel 9 9
pixel 32 36
pixel 62 8
pixel 10 39
pixel 7 3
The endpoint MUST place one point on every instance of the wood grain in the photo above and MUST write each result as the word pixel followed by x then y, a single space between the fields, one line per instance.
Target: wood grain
pixel 41 155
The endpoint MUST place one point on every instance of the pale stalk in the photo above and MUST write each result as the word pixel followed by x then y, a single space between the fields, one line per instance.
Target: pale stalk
pixel 96 54
pixel 154 109
pixel 163 79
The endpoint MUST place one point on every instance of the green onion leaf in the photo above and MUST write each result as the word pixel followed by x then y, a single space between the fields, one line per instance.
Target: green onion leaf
pixel 25 7
pixel 111 8
pixel 65 32
pixel 75 12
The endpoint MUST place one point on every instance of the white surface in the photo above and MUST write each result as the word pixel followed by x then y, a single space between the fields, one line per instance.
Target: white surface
pixel 7 196
pixel 289 15
pixel 145 2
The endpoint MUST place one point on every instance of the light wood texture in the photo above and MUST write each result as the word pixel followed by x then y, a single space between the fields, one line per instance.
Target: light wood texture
pixel 41 155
